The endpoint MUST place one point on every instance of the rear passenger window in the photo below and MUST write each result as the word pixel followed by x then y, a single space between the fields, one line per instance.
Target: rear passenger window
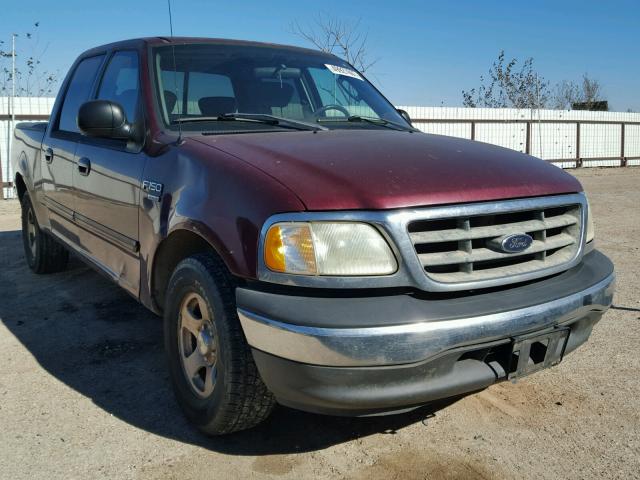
pixel 283 98
pixel 78 92
pixel 213 88
pixel 120 82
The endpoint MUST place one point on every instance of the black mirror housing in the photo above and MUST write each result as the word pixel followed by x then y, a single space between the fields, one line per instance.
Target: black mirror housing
pixel 405 115
pixel 104 119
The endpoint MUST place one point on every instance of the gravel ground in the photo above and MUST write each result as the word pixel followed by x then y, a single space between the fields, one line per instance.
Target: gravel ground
pixel 84 392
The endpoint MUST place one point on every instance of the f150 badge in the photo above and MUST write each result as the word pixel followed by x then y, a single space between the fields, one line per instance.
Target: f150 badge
pixel 153 189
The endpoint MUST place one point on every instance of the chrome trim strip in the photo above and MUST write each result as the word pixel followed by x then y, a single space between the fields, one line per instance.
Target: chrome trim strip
pixel 393 224
pixel 398 344
pixel 92 226
pixel 58 208
pixel 106 233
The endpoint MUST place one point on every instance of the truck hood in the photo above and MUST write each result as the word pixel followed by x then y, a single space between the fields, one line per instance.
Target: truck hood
pixel 381 169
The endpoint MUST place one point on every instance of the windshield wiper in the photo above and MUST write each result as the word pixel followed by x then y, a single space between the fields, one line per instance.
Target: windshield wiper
pixel 381 122
pixel 254 117
pixel 274 120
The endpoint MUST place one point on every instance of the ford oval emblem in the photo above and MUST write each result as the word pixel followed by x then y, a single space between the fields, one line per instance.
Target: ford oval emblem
pixel 515 243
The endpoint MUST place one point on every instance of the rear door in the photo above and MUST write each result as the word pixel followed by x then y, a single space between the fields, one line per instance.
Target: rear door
pixel 59 146
pixel 107 178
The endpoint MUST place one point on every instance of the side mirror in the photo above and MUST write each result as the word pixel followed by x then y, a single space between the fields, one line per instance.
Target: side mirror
pixel 405 115
pixel 104 119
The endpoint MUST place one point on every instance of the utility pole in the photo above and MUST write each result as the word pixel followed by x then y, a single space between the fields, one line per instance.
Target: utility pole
pixel 12 106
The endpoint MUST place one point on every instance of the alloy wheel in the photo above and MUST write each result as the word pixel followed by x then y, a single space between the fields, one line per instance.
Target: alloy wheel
pixel 31 231
pixel 198 345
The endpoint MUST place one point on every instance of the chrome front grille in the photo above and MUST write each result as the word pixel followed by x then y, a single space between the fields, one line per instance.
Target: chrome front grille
pixel 458 250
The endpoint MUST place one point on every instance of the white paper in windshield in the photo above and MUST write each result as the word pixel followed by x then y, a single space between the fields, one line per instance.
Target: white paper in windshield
pixel 347 72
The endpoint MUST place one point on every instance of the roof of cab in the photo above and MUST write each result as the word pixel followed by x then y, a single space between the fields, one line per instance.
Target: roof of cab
pixel 154 41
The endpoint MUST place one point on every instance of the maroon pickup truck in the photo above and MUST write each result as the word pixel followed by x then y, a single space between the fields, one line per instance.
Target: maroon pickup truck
pixel 303 242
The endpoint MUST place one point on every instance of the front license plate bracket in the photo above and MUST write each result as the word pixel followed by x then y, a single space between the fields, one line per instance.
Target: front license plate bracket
pixel 531 353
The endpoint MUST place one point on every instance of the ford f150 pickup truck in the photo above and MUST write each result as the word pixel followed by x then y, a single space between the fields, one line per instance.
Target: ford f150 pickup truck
pixel 304 243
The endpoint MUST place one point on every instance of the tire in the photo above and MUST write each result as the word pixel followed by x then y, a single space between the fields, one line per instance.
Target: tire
pixel 221 390
pixel 43 253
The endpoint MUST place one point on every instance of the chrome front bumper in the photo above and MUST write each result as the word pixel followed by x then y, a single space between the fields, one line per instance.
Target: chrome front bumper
pixel 419 341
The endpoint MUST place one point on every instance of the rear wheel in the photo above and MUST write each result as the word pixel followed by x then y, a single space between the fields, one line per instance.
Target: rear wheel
pixel 43 253
pixel 212 370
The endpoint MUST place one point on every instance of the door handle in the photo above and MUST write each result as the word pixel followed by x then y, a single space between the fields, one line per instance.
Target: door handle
pixel 84 166
pixel 48 155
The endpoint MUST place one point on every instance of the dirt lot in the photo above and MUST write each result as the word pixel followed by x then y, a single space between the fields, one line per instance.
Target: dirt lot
pixel 84 392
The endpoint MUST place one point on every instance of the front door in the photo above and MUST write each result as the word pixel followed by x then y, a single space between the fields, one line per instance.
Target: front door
pixel 107 182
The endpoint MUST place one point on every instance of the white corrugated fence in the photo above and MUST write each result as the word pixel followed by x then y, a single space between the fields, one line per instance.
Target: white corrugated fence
pixel 569 139
pixel 566 138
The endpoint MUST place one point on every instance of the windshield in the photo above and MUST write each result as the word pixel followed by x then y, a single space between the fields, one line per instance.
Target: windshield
pixel 200 85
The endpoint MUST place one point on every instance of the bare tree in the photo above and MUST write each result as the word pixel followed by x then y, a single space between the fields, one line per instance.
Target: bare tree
pixel 566 94
pixel 569 93
pixel 31 78
pixel 344 38
pixel 591 90
pixel 509 86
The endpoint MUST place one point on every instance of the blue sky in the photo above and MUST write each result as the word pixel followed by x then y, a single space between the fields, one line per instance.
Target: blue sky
pixel 428 51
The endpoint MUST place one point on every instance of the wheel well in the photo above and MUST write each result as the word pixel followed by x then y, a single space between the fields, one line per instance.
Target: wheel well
pixel 175 248
pixel 21 187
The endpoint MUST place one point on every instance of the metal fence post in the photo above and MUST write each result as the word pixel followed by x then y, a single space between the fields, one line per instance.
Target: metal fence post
pixel 578 159
pixel 623 160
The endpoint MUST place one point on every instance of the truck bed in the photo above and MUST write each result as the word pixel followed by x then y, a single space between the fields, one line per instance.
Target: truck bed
pixel 36 126
pixel 27 143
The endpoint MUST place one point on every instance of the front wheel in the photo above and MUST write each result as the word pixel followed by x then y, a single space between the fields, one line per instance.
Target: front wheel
pixel 214 377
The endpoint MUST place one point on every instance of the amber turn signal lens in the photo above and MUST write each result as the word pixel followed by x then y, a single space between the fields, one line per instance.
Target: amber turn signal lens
pixel 288 247
pixel 274 250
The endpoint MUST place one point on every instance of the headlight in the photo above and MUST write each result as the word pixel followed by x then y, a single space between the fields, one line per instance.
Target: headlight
pixel 591 231
pixel 327 248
